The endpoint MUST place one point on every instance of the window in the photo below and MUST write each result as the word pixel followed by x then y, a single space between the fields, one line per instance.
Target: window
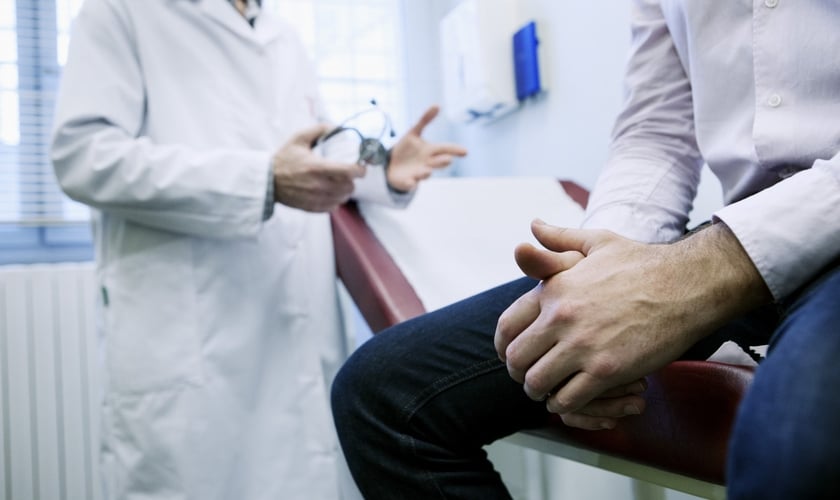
pixel 37 223
pixel 354 44
pixel 356 48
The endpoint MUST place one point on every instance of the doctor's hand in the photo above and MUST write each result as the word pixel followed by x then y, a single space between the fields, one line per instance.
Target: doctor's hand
pixel 621 312
pixel 413 159
pixel 305 180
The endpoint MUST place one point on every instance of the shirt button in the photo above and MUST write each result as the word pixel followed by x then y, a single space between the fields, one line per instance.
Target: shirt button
pixel 775 100
pixel 771 3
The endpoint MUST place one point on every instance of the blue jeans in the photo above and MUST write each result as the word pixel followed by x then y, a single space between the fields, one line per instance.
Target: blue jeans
pixel 415 404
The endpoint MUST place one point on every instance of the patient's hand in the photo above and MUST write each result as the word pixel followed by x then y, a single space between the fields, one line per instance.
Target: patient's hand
pixel 609 319
pixel 604 411
pixel 414 159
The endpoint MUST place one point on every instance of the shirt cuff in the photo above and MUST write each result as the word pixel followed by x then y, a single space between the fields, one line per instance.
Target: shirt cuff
pixel 790 230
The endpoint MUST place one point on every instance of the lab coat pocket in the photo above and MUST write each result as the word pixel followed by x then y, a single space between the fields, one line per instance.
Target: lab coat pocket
pixel 151 336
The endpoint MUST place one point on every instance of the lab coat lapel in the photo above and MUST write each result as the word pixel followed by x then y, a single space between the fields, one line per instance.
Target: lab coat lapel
pixel 225 14
pixel 265 30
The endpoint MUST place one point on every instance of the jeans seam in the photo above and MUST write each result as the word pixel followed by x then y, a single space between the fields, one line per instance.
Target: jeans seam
pixel 435 389
pixel 447 382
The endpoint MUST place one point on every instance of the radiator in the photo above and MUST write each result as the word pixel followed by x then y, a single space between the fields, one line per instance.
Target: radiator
pixel 49 404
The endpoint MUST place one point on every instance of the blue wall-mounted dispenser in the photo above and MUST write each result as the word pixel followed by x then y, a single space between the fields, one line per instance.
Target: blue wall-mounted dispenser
pixel 526 62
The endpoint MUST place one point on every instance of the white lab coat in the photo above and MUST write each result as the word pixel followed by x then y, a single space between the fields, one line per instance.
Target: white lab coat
pixel 221 332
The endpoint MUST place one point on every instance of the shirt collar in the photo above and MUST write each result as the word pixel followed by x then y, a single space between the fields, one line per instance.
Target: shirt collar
pixel 252 11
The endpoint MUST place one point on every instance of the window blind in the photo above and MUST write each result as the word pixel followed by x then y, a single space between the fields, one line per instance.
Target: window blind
pixel 33 36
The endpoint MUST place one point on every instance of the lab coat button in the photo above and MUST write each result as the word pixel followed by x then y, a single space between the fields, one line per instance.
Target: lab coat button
pixel 771 3
pixel 774 101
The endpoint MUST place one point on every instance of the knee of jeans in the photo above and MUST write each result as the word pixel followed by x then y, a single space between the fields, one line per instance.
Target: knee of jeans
pixel 352 390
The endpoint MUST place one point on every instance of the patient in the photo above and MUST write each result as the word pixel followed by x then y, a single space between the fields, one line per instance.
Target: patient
pixel 753 91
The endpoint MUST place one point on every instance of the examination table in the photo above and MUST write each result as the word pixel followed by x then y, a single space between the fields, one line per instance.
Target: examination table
pixel 679 442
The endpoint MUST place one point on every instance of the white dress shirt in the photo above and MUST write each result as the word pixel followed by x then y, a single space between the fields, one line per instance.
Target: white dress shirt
pixel 752 88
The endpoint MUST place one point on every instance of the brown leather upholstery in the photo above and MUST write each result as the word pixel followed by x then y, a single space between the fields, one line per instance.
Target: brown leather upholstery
pixel 691 404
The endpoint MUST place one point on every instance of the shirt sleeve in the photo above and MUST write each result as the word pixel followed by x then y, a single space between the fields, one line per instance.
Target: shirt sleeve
pixel 790 230
pixel 647 187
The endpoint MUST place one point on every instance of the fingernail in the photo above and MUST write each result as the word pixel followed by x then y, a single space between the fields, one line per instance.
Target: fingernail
pixel 539 222
pixel 606 424
pixel 631 410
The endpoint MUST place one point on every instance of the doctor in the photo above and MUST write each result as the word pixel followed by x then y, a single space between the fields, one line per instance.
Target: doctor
pixel 182 123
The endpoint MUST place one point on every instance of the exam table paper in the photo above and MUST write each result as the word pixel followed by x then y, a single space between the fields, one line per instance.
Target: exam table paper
pixel 457 236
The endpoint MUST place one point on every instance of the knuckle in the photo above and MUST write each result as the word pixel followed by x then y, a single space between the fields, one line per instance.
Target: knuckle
pixel 516 368
pixel 564 312
pixel 503 324
pixel 536 383
pixel 560 404
pixel 605 367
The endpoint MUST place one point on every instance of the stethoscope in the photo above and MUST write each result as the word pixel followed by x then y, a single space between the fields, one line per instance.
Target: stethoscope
pixel 371 150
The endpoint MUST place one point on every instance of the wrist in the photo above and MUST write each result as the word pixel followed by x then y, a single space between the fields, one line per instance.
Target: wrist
pixel 387 170
pixel 722 272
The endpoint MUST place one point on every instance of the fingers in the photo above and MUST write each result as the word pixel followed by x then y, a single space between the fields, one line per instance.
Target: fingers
pixel 614 407
pixel 337 171
pixel 588 423
pixel 442 157
pixel 547 371
pixel 448 148
pixel 439 161
pixel 424 120
pixel 562 239
pixel 604 413
pixel 576 393
pixel 636 387
pixel 541 264
pixel 514 320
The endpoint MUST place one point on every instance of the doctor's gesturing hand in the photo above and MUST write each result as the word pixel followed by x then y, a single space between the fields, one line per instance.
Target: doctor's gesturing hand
pixel 306 180
pixel 584 338
pixel 414 159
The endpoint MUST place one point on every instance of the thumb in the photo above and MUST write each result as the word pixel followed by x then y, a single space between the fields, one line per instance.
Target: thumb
pixel 541 264
pixel 308 136
pixel 562 239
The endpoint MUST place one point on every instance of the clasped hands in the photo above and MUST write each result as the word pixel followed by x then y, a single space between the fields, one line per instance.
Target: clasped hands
pixel 305 180
pixel 608 311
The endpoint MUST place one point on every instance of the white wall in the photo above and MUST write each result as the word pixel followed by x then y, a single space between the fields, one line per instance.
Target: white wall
pixel 566 132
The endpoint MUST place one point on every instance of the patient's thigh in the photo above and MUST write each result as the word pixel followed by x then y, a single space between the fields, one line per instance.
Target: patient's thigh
pixel 785 442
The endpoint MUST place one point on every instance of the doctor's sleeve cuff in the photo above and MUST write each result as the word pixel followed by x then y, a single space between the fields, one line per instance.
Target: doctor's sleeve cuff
pixel 374 187
pixel 268 209
pixel 791 230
